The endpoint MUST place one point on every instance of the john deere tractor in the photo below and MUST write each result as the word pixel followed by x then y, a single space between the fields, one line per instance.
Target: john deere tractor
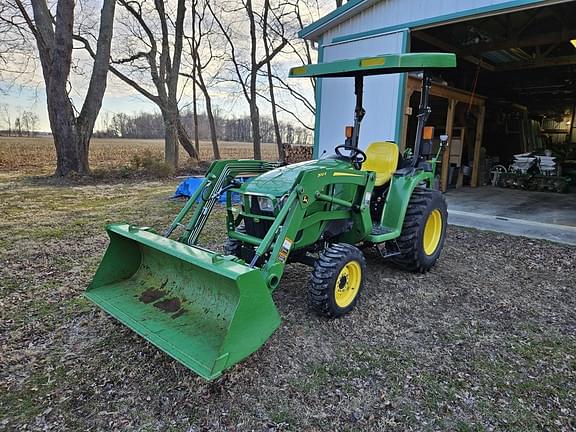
pixel 210 310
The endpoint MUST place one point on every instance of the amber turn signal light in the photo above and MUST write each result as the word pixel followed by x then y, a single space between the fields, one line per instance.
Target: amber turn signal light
pixel 348 131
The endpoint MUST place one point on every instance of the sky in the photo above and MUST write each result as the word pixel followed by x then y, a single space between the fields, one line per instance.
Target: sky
pixel 33 98
pixel 119 98
pixel 26 92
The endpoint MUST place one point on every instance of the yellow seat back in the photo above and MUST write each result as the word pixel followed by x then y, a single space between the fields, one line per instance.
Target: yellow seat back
pixel 381 158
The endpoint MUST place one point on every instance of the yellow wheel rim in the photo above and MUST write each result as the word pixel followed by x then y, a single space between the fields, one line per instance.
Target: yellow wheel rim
pixel 432 232
pixel 348 284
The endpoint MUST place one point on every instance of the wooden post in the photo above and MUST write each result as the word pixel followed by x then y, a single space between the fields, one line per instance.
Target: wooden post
pixel 446 155
pixel 460 180
pixel 478 145
pixel 406 117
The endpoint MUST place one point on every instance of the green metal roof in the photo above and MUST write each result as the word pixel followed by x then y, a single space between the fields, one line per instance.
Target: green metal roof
pixel 378 65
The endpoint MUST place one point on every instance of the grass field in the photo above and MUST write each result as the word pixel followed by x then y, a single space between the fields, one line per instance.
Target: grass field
pixel 37 155
pixel 485 341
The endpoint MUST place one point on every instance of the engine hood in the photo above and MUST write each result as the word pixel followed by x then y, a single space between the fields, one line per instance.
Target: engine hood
pixel 281 180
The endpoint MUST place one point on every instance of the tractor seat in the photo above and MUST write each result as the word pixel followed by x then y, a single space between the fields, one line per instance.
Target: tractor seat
pixel 381 158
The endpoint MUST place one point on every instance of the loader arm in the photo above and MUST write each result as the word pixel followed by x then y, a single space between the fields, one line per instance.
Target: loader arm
pixel 220 175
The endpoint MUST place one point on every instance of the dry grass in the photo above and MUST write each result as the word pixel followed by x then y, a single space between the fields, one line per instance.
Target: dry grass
pixel 485 341
pixel 37 155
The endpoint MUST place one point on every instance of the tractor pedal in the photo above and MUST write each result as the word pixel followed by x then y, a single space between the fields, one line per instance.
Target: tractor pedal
pixel 388 249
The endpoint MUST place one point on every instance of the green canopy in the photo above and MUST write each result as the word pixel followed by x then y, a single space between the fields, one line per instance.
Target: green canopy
pixel 377 65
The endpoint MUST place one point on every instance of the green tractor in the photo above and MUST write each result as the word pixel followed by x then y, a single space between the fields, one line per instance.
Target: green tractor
pixel 210 310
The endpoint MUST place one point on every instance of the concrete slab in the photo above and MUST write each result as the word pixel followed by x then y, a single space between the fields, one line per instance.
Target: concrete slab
pixel 538 215
pixel 518 227
pixel 549 208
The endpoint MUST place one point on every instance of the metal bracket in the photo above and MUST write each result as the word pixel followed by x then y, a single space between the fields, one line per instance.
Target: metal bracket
pixel 386 251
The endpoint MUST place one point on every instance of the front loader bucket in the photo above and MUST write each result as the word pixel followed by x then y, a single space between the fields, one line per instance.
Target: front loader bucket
pixel 206 311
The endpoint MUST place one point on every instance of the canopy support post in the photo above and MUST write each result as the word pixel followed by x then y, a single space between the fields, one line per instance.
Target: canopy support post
pixel 423 114
pixel 358 111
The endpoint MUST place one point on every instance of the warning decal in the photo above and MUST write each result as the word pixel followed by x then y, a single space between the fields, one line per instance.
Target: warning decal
pixel 285 250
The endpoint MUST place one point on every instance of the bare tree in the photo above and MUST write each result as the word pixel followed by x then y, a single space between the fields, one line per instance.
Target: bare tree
pixel 245 69
pixel 267 43
pixel 29 121
pixel 16 58
pixel 54 40
pixel 194 49
pixel 6 116
pixel 152 45
pixel 204 54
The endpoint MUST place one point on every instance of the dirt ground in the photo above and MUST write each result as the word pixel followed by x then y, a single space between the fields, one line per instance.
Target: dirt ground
pixel 485 341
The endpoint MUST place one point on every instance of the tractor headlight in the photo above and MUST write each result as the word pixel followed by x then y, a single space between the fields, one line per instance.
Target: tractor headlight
pixel 265 204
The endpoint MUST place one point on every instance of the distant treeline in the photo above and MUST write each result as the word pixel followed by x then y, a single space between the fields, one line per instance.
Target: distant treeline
pixel 147 125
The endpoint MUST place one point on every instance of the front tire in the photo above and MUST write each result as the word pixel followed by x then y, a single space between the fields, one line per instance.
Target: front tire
pixel 423 232
pixel 233 246
pixel 337 280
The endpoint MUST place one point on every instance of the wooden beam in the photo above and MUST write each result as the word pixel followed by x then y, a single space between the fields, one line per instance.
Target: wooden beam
pixel 444 46
pixel 538 63
pixel 415 84
pixel 478 145
pixel 549 50
pixel 520 42
pixel 446 155
pixel 534 15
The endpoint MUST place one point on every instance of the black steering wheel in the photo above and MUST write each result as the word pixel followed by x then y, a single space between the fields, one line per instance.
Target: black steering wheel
pixel 356 156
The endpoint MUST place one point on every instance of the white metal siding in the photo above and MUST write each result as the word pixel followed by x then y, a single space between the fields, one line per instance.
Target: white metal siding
pixel 387 13
pixel 380 95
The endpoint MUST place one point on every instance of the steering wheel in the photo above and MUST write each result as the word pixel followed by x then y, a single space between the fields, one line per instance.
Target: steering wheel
pixel 356 156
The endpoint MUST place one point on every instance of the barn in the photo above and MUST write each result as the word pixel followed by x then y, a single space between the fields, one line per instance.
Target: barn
pixel 513 92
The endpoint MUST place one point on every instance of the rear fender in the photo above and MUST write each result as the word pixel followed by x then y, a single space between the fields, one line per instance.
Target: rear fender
pixel 399 194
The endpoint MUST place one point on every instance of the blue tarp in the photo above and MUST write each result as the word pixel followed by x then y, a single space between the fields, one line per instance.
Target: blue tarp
pixel 187 187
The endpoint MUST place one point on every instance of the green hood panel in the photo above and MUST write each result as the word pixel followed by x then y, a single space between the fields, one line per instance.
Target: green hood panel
pixel 280 181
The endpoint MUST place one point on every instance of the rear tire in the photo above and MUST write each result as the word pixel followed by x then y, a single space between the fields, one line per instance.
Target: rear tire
pixel 423 232
pixel 337 280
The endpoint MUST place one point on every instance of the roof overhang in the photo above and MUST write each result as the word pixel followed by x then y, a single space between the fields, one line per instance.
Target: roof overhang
pixel 315 30
pixel 338 15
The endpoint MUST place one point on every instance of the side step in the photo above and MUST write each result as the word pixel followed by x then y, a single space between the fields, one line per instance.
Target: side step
pixel 379 230
pixel 381 233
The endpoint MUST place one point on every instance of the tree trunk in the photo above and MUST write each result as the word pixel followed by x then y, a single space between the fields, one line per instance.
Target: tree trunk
pixel 171 138
pixel 278 137
pixel 212 123
pixel 255 120
pixel 174 134
pixel 54 39
pixel 69 151
pixel 184 139
pixel 254 113
pixel 195 117
pixel 194 67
